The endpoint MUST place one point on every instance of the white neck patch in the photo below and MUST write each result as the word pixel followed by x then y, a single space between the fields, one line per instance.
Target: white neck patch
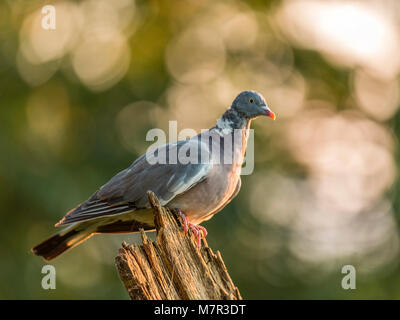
pixel 224 125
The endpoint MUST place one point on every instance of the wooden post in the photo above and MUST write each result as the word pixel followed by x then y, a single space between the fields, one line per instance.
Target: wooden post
pixel 172 267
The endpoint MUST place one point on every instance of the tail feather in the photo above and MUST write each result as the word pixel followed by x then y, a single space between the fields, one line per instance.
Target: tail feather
pixel 60 242
pixel 78 232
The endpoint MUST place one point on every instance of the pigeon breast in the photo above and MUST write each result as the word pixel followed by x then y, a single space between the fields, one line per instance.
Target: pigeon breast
pixel 201 202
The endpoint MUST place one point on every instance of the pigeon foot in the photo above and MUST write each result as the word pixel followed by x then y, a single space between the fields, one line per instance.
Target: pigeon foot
pixel 199 231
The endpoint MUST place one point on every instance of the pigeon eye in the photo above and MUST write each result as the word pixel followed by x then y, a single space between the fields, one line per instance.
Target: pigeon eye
pixel 251 100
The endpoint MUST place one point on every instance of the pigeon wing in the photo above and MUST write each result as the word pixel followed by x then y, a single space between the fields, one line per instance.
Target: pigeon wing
pixel 156 171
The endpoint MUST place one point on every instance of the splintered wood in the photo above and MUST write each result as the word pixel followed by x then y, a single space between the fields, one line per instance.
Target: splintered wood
pixel 172 267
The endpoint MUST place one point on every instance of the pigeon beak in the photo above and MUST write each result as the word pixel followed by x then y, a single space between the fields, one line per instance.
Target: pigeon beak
pixel 268 112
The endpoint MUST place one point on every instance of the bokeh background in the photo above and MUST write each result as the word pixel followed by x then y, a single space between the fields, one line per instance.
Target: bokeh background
pixel 76 103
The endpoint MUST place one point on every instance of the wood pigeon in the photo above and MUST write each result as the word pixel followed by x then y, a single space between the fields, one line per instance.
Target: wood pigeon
pixel 198 177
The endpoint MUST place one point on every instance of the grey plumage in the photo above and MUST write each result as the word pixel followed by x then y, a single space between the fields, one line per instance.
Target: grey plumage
pixel 126 191
pixel 198 189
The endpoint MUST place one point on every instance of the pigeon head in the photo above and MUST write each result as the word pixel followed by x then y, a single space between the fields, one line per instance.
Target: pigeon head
pixel 250 105
pixel 247 105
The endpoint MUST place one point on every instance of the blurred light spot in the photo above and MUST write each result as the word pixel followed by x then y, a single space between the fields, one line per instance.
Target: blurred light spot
pixel 115 15
pixel 369 238
pixel 275 198
pixel 263 72
pixel 196 56
pixel 101 59
pixel 379 98
pixel 133 122
pixel 287 98
pixel 240 31
pixel 235 22
pixel 39 45
pixel 198 106
pixel 319 233
pixel 349 32
pixel 349 168
pixel 339 211
pixel 48 114
pixel 35 74
pixel 101 56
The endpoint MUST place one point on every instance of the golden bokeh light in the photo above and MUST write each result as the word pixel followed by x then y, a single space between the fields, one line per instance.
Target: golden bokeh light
pixel 196 56
pixel 347 166
pixel 101 61
pixel 92 34
pixel 350 168
pixel 39 45
pixel 206 101
pixel 378 98
pixel 48 112
pixel 238 27
pixel 133 137
pixel 351 33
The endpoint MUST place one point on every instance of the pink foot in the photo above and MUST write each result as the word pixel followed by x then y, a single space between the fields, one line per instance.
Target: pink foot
pixel 185 221
pixel 199 231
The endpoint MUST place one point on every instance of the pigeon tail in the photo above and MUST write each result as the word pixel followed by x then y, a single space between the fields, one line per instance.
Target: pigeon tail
pixel 60 242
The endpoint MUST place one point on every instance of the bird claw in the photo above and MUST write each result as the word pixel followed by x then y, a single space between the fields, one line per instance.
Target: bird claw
pixel 185 221
pixel 199 231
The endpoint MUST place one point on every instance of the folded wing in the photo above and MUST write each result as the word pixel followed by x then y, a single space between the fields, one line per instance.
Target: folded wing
pixel 156 171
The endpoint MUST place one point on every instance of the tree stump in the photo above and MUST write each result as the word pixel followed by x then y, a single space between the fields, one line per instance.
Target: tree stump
pixel 172 267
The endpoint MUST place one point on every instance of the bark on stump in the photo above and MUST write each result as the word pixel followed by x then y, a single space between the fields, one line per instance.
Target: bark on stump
pixel 172 267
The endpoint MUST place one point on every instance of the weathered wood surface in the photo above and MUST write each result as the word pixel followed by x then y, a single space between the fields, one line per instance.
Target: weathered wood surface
pixel 172 267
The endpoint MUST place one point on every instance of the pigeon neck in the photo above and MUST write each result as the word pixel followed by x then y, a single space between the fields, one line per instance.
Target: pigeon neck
pixel 232 120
